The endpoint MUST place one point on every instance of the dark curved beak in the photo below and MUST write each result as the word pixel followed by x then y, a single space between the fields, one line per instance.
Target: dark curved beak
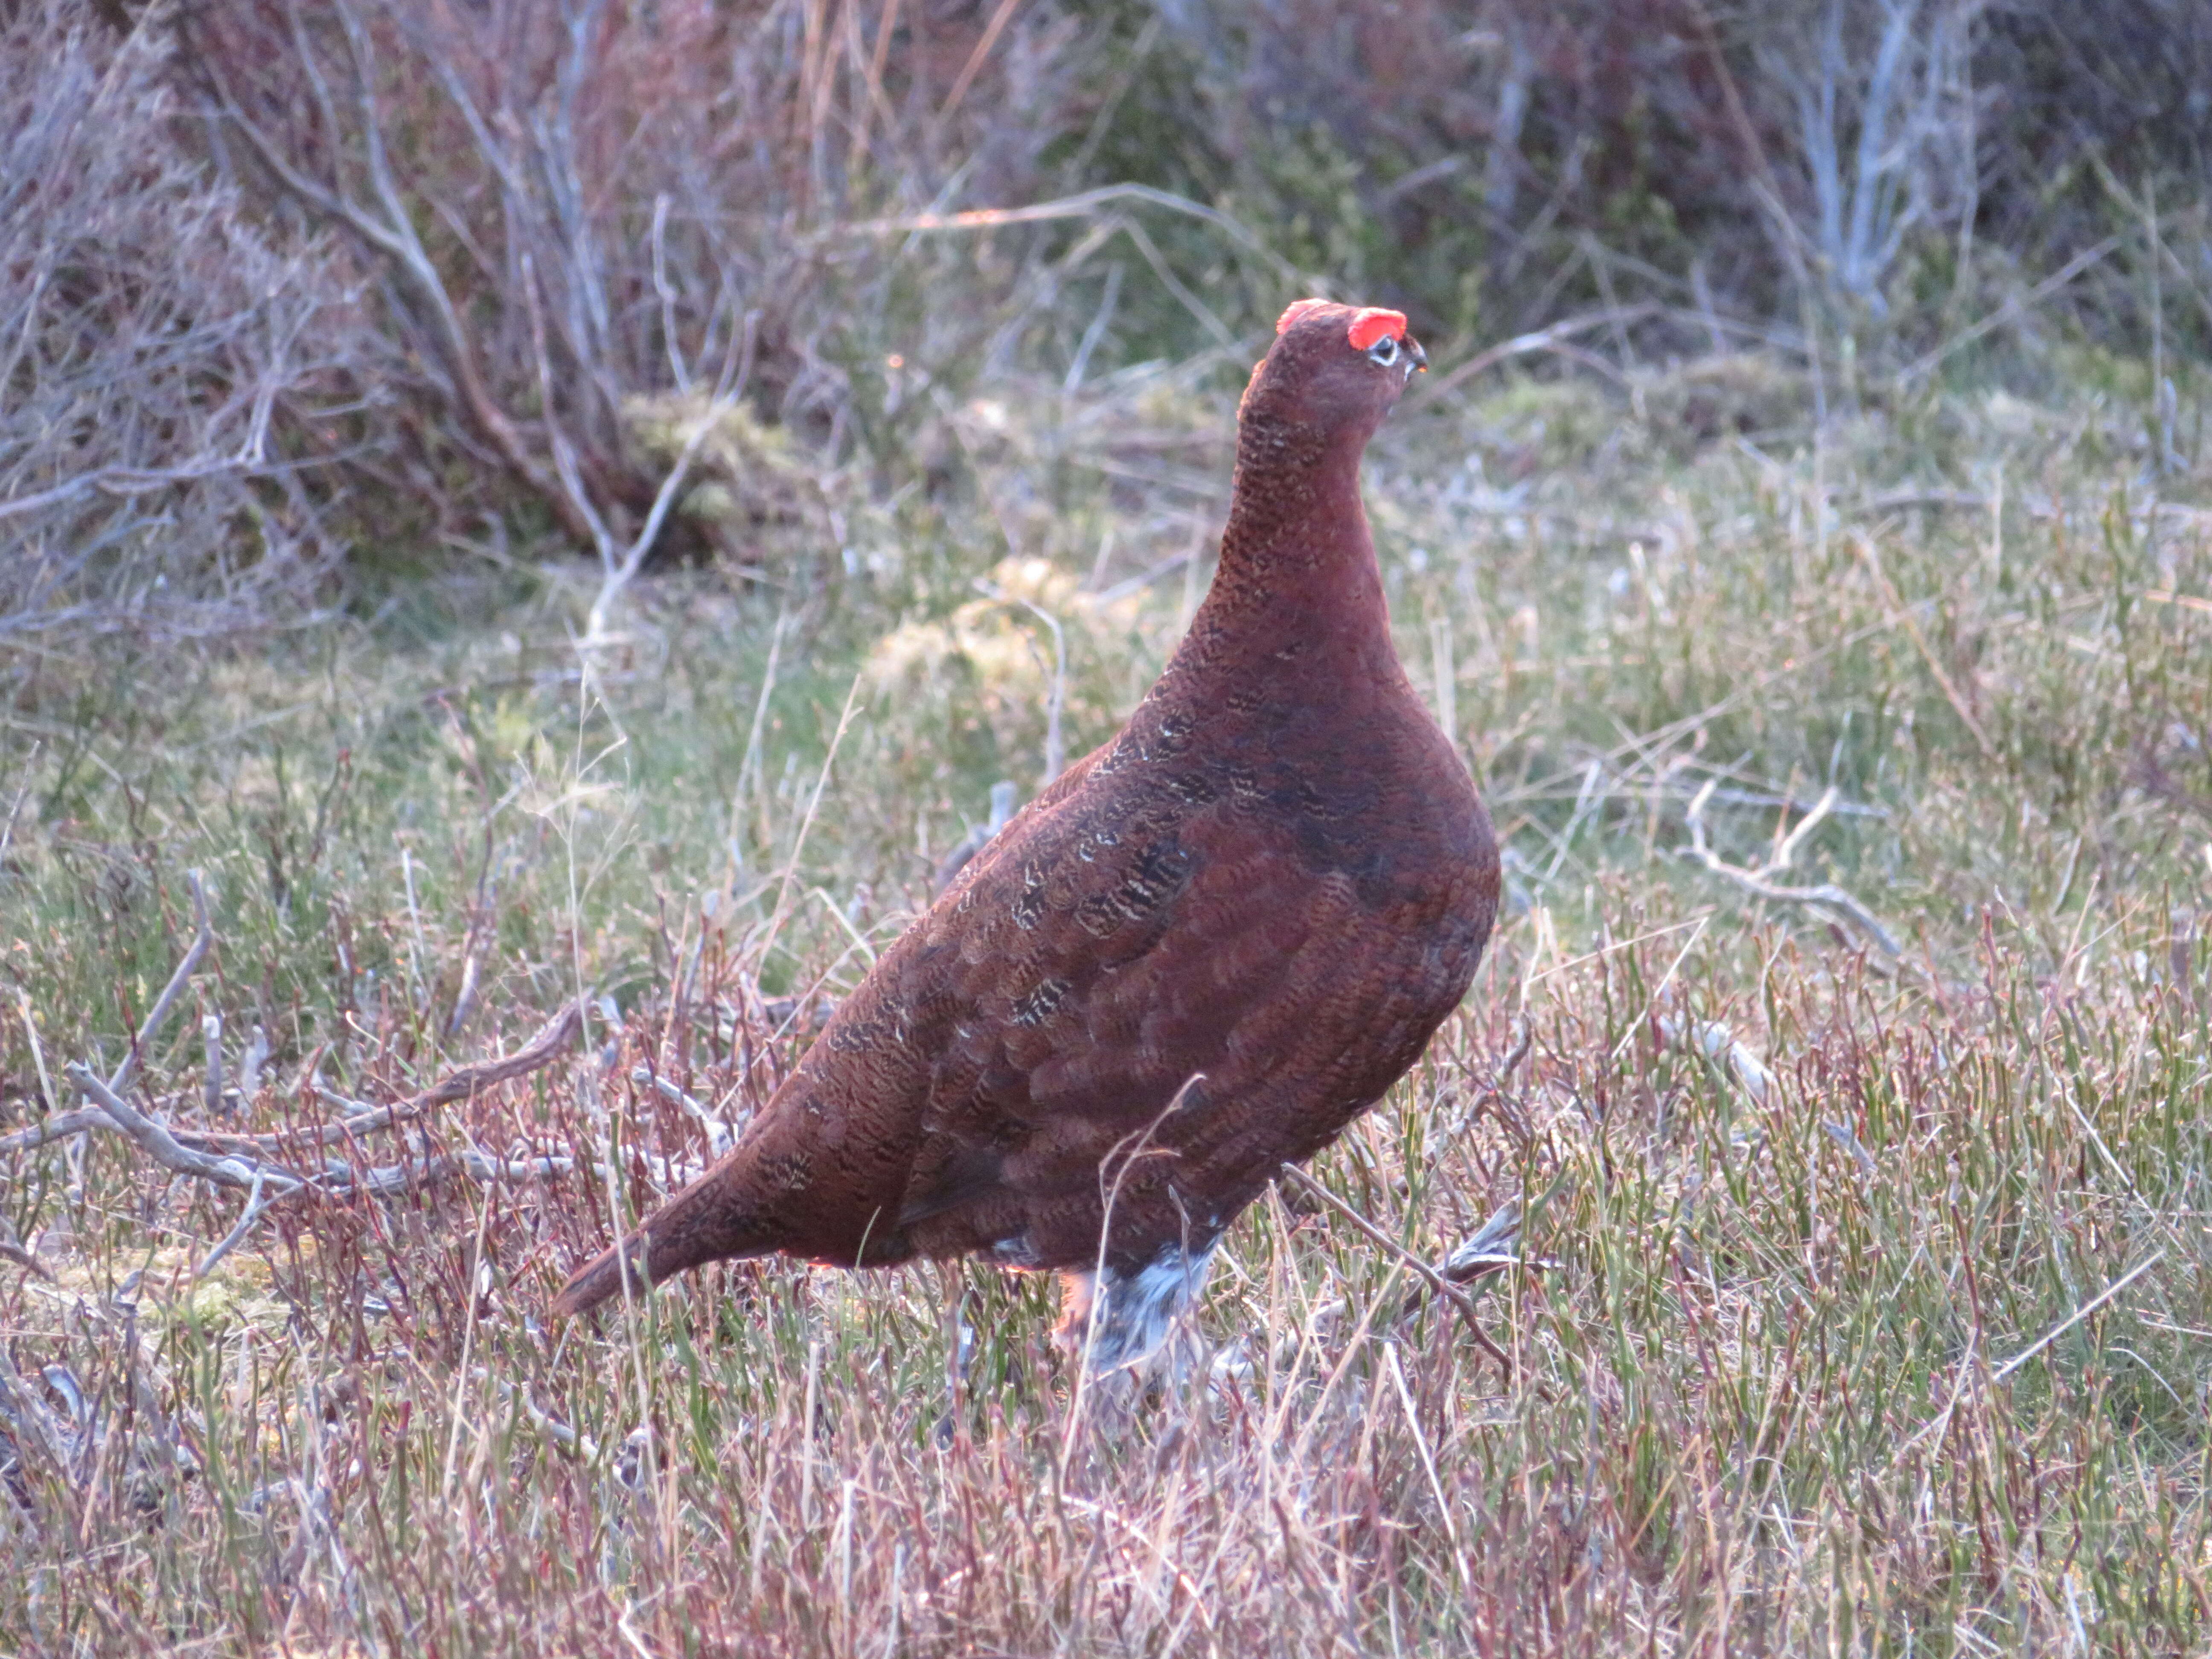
pixel 1420 358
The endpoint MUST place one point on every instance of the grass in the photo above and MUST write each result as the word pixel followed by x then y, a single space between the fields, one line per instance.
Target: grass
pixel 1868 1305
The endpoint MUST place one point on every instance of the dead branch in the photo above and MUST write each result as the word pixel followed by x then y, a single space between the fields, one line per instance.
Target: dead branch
pixel 202 939
pixel 1524 1036
pixel 155 334
pixel 1760 882
pixel 1301 1181
pixel 457 1084
pixel 720 1139
pixel 11 1249
pixel 465 1080
pixel 617 570
pixel 124 480
pixel 515 333
pixel 211 1084
pixel 1083 205
pixel 60 1126
pixel 236 1161
pixel 383 1179
pixel 269 1184
pixel 256 1207
pixel 165 1149
pixel 1055 749
pixel 1615 783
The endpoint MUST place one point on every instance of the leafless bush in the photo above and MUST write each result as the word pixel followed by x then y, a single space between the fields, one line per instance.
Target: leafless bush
pixel 163 360
pixel 1885 133
pixel 1490 164
pixel 574 207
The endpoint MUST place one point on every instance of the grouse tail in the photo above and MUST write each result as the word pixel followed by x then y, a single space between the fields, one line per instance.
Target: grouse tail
pixel 707 1221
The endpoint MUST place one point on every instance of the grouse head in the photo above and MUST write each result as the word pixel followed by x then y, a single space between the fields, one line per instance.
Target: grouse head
pixel 1333 373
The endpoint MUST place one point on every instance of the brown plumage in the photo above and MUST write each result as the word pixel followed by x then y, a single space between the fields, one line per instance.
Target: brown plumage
pixel 1276 880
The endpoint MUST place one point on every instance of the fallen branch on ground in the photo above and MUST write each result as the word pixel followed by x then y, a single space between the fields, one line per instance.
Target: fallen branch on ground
pixel 202 939
pixel 242 1161
pixel 458 1084
pixel 165 1149
pixel 1760 882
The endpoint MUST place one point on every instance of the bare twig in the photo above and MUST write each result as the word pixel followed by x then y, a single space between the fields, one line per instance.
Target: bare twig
pixel 1544 339
pixel 38 1050
pixel 1760 882
pixel 126 481
pixel 203 938
pixel 11 1249
pixel 618 571
pixel 60 1126
pixel 384 1178
pixel 571 1440
pixel 1492 1248
pixel 151 325
pixel 1055 747
pixel 459 1084
pixel 256 1207
pixel 979 836
pixel 1524 1035
pixel 22 793
pixel 719 1137
pixel 465 1080
pixel 211 1083
pixel 1904 615
pixel 165 1149
pixel 1299 1180
pixel 2077 1315
pixel 2011 308
pixel 267 1184
pixel 389 229
pixel 975 58
pixel 1079 206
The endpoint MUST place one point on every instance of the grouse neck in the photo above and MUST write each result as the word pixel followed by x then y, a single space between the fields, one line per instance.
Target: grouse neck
pixel 1298 562
pixel 1294 501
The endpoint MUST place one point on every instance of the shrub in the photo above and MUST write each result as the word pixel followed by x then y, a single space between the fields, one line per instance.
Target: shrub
pixel 171 369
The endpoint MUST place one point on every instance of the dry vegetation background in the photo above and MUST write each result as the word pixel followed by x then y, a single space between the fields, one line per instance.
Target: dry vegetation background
pixel 528 532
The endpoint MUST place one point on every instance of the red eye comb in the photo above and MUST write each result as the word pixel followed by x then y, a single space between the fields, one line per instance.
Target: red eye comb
pixel 1370 325
pixel 1297 308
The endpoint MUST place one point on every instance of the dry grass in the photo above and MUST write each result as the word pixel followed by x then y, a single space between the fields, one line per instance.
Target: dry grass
pixel 1873 1302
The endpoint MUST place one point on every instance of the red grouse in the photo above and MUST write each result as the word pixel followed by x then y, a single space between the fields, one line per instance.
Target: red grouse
pixel 1201 953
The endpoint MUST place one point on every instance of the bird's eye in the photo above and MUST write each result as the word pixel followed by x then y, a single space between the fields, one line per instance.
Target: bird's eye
pixel 1384 351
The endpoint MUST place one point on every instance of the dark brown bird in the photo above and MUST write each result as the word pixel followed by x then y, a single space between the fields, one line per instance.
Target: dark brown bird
pixel 1201 953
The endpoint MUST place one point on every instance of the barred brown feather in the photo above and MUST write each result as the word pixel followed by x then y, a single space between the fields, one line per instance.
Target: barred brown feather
pixel 1276 880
